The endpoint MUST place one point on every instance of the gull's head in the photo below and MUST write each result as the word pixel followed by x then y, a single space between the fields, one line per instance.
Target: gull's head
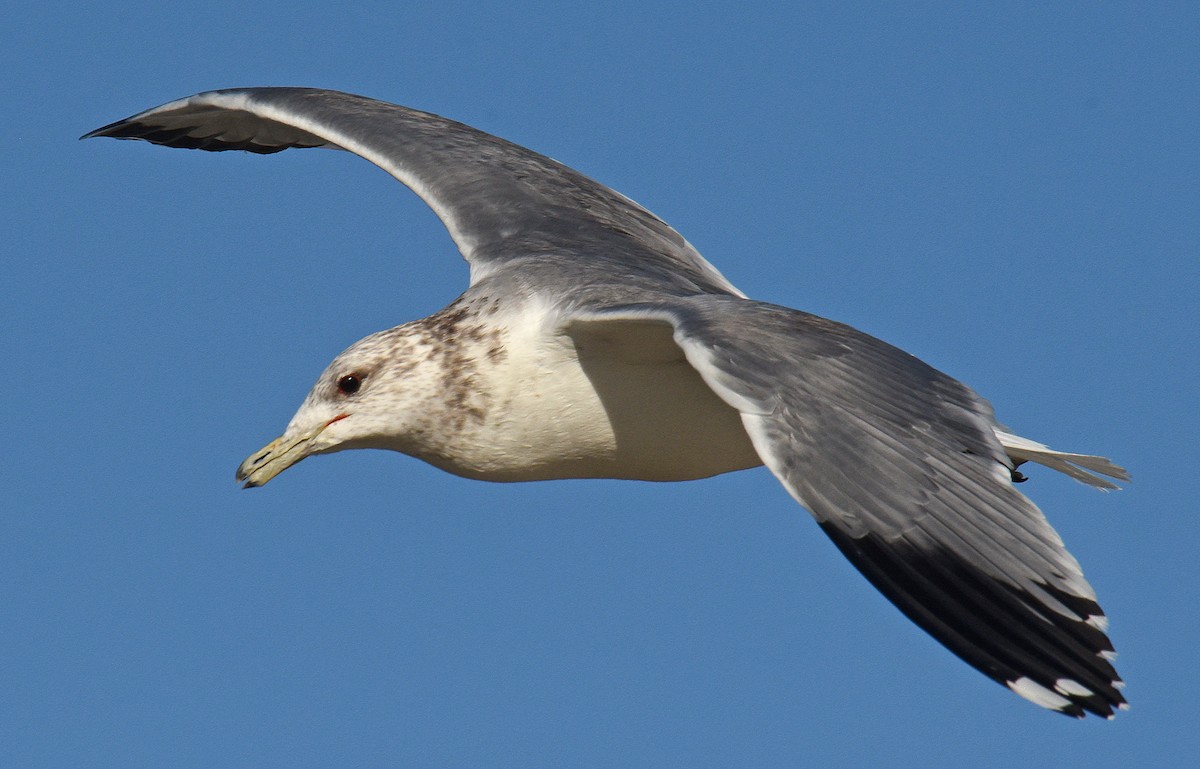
pixel 365 398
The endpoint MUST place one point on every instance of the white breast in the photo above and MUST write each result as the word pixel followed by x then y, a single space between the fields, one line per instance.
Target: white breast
pixel 606 401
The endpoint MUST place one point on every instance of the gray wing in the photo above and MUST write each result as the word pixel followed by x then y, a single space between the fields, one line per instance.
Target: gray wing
pixel 500 202
pixel 901 467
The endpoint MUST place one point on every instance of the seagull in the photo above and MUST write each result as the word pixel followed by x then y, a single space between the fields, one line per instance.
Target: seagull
pixel 595 342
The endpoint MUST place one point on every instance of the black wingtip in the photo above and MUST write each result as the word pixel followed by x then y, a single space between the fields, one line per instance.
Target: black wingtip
pixel 1058 663
pixel 95 133
pixel 180 138
pixel 115 130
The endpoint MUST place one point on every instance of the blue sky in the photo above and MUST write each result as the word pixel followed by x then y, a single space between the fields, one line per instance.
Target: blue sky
pixel 1009 193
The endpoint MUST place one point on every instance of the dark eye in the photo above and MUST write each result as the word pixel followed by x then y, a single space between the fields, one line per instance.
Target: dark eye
pixel 349 384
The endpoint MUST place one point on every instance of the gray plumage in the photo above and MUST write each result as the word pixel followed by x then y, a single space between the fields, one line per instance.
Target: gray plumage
pixel 644 362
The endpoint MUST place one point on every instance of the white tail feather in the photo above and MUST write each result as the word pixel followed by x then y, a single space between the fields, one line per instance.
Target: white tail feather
pixel 1084 468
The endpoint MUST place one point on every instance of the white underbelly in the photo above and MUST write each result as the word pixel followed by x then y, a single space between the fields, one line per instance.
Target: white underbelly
pixel 559 414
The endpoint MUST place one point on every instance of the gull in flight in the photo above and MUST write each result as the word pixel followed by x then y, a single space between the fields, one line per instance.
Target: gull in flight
pixel 595 342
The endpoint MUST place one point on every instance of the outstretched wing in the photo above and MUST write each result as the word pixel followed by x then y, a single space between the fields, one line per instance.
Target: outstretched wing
pixel 901 466
pixel 499 201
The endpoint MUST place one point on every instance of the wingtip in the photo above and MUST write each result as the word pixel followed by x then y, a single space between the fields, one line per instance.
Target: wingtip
pixel 104 130
pixel 1071 698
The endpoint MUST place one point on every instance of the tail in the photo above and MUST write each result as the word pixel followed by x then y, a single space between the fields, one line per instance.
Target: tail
pixel 1084 468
